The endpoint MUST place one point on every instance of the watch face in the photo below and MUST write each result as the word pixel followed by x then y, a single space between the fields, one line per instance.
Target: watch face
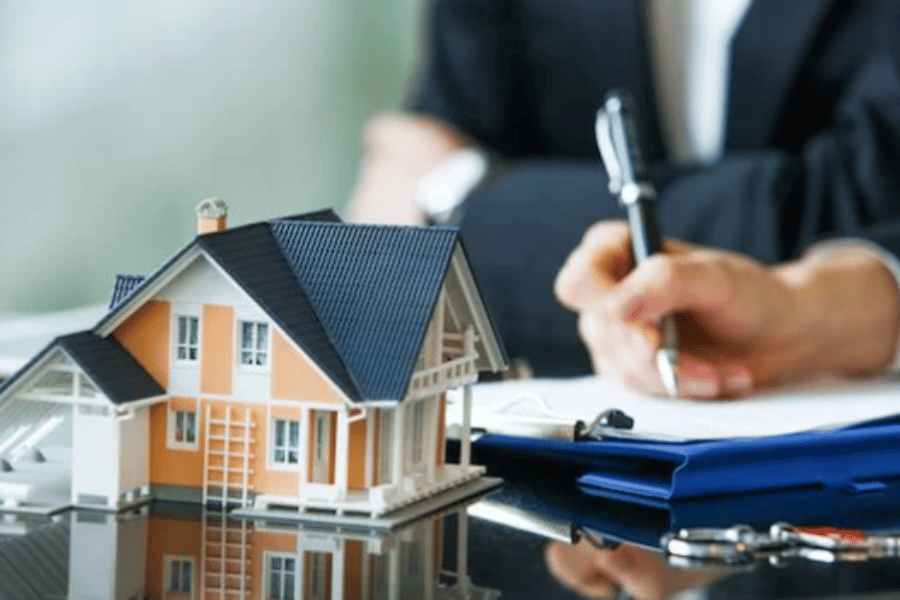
pixel 441 190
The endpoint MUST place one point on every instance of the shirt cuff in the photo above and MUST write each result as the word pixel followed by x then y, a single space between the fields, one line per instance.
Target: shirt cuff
pixel 888 259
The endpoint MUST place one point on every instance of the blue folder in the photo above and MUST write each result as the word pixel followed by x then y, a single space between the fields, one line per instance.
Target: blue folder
pixel 856 460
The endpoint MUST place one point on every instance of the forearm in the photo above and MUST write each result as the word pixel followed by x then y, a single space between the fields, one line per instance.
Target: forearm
pixel 848 312
pixel 398 149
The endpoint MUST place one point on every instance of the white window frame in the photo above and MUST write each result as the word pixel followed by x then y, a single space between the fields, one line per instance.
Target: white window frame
pixel 169 561
pixel 253 350
pixel 284 465
pixel 187 315
pixel 267 586
pixel 172 427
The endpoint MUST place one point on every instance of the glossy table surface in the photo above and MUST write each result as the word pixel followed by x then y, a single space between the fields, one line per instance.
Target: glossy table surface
pixel 494 546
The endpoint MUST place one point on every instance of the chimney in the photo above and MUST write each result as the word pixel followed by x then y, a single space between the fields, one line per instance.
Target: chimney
pixel 212 216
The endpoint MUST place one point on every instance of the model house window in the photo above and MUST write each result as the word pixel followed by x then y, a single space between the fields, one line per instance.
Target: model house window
pixel 282 578
pixel 254 344
pixel 185 427
pixel 180 575
pixel 286 450
pixel 188 338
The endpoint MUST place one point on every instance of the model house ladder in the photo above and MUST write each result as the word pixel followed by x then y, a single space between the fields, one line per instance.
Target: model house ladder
pixel 225 569
pixel 228 457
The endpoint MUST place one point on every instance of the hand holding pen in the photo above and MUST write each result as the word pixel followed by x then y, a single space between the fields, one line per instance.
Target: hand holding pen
pixel 740 323
pixel 616 133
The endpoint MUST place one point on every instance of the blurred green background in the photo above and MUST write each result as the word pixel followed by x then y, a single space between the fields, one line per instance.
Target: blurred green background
pixel 116 118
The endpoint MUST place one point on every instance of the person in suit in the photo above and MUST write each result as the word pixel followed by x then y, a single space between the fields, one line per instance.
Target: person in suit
pixel 768 125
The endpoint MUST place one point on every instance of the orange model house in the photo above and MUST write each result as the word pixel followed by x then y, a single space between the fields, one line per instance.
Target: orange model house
pixel 299 362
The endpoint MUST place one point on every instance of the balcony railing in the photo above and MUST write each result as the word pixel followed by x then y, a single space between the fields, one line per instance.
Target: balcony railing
pixel 453 373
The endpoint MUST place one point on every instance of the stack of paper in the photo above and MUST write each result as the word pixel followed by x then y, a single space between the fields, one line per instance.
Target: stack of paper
pixel 822 405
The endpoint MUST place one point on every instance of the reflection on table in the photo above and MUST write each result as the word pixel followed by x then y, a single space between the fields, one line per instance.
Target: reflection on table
pixel 175 552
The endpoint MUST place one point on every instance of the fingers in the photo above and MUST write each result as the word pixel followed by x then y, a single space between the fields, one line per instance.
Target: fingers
pixel 601 259
pixel 573 566
pixel 666 284
pixel 625 353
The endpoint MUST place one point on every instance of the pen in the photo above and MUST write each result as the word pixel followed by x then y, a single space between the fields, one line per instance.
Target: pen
pixel 618 144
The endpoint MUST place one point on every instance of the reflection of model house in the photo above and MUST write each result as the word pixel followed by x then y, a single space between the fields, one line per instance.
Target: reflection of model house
pixel 278 562
pixel 298 362
pixel 171 553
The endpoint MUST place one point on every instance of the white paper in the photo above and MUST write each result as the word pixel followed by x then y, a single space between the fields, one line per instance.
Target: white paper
pixel 823 405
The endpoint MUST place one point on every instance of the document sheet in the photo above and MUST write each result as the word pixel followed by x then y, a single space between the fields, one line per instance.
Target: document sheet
pixel 813 406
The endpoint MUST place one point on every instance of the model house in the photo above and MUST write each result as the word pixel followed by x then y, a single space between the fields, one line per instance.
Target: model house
pixel 299 362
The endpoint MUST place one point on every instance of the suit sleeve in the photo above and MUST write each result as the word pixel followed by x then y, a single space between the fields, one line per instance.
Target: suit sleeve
pixel 769 204
pixel 469 75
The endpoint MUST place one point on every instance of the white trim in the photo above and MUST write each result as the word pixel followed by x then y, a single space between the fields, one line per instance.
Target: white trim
pixel 287 338
pixel 370 449
pixel 171 416
pixel 472 296
pixel 342 454
pixel 267 572
pixel 303 472
pixel 239 348
pixel 286 466
pixel 128 308
pixel 184 311
pixel 465 442
pixel 176 268
pixel 397 431
pixel 337 570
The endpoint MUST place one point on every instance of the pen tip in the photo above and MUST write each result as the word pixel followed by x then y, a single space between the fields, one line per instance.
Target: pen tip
pixel 665 364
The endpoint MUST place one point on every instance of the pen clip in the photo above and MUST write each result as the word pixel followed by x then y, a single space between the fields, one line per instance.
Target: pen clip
pixel 608 151
pixel 617 141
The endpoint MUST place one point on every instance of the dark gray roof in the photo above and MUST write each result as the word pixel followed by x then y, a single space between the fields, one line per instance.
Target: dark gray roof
pixel 109 365
pixel 253 258
pixel 122 288
pixel 356 298
pixel 374 289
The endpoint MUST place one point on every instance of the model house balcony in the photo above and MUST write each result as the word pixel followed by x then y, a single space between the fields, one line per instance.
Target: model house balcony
pixel 429 382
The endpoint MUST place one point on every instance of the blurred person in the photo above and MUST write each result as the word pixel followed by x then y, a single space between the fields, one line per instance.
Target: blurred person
pixel 768 126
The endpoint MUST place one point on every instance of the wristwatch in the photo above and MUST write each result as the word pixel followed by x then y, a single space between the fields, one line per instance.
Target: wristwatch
pixel 441 193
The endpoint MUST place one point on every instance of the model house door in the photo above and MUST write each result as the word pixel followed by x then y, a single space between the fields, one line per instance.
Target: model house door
pixel 321 447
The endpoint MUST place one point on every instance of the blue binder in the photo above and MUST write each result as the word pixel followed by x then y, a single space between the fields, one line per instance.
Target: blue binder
pixel 856 460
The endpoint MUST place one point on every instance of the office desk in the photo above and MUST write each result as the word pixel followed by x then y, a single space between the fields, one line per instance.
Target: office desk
pixel 174 551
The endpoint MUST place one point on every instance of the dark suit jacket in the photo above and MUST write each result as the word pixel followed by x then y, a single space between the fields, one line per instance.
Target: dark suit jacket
pixel 812 140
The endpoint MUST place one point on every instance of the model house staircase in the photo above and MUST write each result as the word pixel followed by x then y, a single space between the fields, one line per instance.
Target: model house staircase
pixel 226 563
pixel 228 456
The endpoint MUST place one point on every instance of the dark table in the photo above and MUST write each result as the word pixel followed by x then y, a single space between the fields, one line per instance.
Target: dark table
pixel 180 552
